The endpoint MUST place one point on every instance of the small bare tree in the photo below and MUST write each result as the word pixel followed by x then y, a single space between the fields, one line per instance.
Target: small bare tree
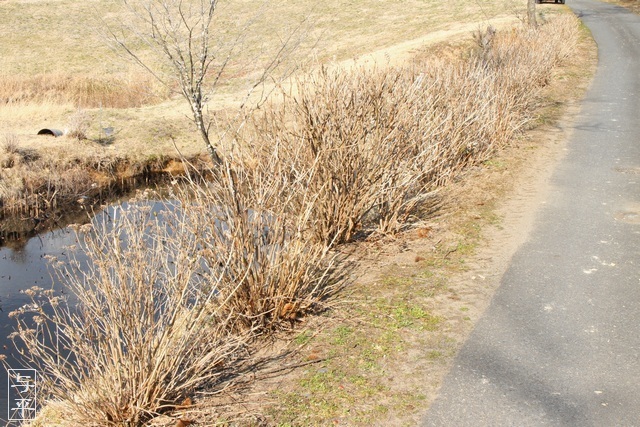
pixel 186 55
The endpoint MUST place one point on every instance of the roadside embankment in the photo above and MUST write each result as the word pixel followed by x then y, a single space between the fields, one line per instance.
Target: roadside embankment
pixel 40 189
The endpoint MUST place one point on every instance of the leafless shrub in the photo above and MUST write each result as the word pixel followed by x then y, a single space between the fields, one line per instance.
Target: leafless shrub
pixel 13 154
pixel 255 244
pixel 79 123
pixel 484 38
pixel 10 143
pixel 192 51
pixel 144 328
pixel 343 135
pixel 373 144
pixel 10 151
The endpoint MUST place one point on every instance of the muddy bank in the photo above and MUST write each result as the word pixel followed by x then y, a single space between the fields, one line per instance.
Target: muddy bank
pixel 43 198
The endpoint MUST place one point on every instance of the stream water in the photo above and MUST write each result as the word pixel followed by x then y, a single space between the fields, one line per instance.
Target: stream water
pixel 20 269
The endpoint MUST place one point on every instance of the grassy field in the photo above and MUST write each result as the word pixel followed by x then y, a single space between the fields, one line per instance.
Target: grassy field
pixel 54 55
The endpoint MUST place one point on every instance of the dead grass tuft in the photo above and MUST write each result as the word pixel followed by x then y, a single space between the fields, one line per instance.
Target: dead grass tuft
pixel 78 125
pixel 85 91
pixel 10 143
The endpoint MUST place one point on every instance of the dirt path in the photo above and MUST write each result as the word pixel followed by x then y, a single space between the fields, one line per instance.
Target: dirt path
pixel 402 53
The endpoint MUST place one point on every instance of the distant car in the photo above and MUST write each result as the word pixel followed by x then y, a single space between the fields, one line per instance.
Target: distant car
pixel 554 1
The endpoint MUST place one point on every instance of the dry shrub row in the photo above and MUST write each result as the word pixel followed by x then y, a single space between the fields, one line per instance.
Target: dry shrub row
pixel 167 299
pixel 341 135
pixel 372 144
pixel 84 91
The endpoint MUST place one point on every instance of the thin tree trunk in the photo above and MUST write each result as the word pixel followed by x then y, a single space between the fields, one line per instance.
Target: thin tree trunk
pixel 199 120
pixel 531 13
pixel 210 148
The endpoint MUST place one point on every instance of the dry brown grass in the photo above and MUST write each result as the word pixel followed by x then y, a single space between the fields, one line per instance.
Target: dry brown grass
pixel 41 39
pixel 85 91
pixel 32 185
pixel 44 184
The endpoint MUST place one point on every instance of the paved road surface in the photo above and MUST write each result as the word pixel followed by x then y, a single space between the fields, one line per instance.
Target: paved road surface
pixel 560 343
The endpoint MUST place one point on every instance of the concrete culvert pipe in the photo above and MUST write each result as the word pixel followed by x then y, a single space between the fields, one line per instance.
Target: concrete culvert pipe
pixel 53 132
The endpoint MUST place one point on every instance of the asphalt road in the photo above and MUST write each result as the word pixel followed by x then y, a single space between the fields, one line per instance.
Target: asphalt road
pixel 560 343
